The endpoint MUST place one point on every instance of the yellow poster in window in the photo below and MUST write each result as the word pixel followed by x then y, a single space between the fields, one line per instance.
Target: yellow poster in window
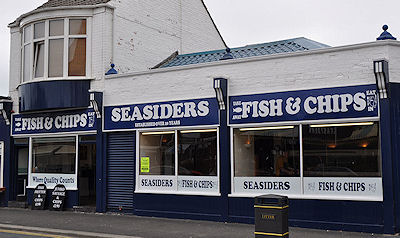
pixel 145 164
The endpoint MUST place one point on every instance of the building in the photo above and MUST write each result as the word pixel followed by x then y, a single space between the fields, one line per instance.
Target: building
pixel 183 127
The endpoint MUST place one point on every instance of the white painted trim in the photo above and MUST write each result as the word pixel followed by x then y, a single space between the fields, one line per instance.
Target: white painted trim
pixel 162 128
pixel 174 192
pixel 308 197
pixel 57 134
pixel 259 58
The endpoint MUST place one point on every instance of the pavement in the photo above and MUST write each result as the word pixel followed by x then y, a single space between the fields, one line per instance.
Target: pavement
pixel 31 223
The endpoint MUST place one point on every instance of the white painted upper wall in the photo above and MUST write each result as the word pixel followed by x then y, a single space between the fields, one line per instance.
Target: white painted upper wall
pixel 331 67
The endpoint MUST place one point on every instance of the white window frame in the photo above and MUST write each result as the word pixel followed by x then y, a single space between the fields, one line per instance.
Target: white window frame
pixel 1 164
pixel 302 195
pixel 175 177
pixel 66 37
pixel 75 175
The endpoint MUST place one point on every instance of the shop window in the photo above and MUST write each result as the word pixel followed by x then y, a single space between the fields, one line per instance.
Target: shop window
pixel 157 153
pixel 178 161
pixel 54 155
pixel 46 44
pixel 267 152
pixel 342 150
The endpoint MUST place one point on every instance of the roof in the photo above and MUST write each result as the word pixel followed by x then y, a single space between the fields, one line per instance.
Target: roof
pixel 276 47
pixel 67 3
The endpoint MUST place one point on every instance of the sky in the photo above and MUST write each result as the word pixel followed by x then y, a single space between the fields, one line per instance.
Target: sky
pixel 244 22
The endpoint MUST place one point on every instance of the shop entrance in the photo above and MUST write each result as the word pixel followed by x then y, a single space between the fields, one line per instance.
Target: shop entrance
pixel 22 158
pixel 87 171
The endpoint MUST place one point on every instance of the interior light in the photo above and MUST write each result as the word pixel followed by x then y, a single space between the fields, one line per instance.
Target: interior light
pixel 157 133
pixel 198 131
pixel 345 124
pixel 364 145
pixel 266 128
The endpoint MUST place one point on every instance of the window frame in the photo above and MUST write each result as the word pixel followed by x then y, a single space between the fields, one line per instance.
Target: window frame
pixel 30 161
pixel 302 178
pixel 30 42
pixel 176 161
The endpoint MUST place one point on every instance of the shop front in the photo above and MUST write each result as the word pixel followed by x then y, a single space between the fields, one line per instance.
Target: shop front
pixel 321 148
pixel 56 148
pixel 175 156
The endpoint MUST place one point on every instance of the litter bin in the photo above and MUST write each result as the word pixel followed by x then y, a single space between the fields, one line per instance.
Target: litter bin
pixel 271 216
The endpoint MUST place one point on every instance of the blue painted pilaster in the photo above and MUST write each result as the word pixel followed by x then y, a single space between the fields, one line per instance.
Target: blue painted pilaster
pixel 387 167
pixel 100 180
pixel 8 172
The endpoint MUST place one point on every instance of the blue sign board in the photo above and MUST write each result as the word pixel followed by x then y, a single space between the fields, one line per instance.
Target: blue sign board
pixel 317 104
pixel 163 114
pixel 66 121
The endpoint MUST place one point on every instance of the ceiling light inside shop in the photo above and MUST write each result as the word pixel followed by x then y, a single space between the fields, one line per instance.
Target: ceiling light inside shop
pixel 198 131
pixel 157 133
pixel 266 128
pixel 345 124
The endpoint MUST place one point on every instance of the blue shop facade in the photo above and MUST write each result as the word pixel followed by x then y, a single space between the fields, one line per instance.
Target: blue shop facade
pixel 199 135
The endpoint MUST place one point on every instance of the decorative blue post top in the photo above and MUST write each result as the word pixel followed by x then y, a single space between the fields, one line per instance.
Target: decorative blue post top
pixel 227 55
pixel 112 70
pixel 385 35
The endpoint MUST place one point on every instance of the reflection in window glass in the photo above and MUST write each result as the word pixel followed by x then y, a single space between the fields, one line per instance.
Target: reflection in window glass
pixel 56 28
pixel 157 153
pixel 77 57
pixel 56 57
pixel 197 153
pixel 54 155
pixel 267 152
pixel 27 62
pixel 341 151
pixel 77 27
pixel 39 30
pixel 39 59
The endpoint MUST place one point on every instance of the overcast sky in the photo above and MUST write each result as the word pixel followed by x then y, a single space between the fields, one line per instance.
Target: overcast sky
pixel 243 22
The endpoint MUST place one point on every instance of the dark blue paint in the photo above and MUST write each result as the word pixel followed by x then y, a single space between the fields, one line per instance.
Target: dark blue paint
pixel 71 200
pixel 112 70
pixel 98 97
pixel 210 119
pixel 385 34
pixel 60 94
pixel 302 114
pixel 89 122
pixel 8 179
pixel 178 206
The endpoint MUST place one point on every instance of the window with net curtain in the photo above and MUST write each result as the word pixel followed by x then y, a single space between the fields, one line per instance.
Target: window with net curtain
pixel 59 38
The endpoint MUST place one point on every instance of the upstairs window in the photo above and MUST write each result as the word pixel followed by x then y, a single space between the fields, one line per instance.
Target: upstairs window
pixel 55 49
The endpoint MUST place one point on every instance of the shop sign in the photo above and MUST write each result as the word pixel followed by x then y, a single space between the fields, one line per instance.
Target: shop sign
pixel 266 185
pixel 164 114
pixel 39 197
pixel 198 184
pixel 58 197
pixel 345 187
pixel 157 183
pixel 317 104
pixel 76 121
pixel 51 180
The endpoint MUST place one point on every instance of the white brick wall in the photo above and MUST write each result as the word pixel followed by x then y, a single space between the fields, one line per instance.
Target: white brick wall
pixel 335 67
pixel 15 65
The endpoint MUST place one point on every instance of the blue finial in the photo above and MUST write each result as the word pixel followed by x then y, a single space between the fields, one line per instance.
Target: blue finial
pixel 227 55
pixel 112 70
pixel 385 35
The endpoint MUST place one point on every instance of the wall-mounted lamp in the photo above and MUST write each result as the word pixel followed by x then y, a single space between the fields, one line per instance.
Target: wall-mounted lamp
pixel 94 105
pixel 3 112
pixel 220 87
pixel 381 71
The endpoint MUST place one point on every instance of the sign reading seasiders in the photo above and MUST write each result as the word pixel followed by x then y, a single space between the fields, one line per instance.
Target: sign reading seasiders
pixel 328 103
pixel 163 114
pixel 68 121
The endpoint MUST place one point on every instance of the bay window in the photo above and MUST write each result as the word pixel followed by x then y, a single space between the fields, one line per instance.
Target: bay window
pixel 55 48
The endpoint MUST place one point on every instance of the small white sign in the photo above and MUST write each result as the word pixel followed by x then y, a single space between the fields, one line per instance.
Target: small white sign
pixel 354 187
pixel 263 185
pixel 157 183
pixel 70 181
pixel 198 184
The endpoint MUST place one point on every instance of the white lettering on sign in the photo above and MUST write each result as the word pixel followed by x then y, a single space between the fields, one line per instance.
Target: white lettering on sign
pixel 162 111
